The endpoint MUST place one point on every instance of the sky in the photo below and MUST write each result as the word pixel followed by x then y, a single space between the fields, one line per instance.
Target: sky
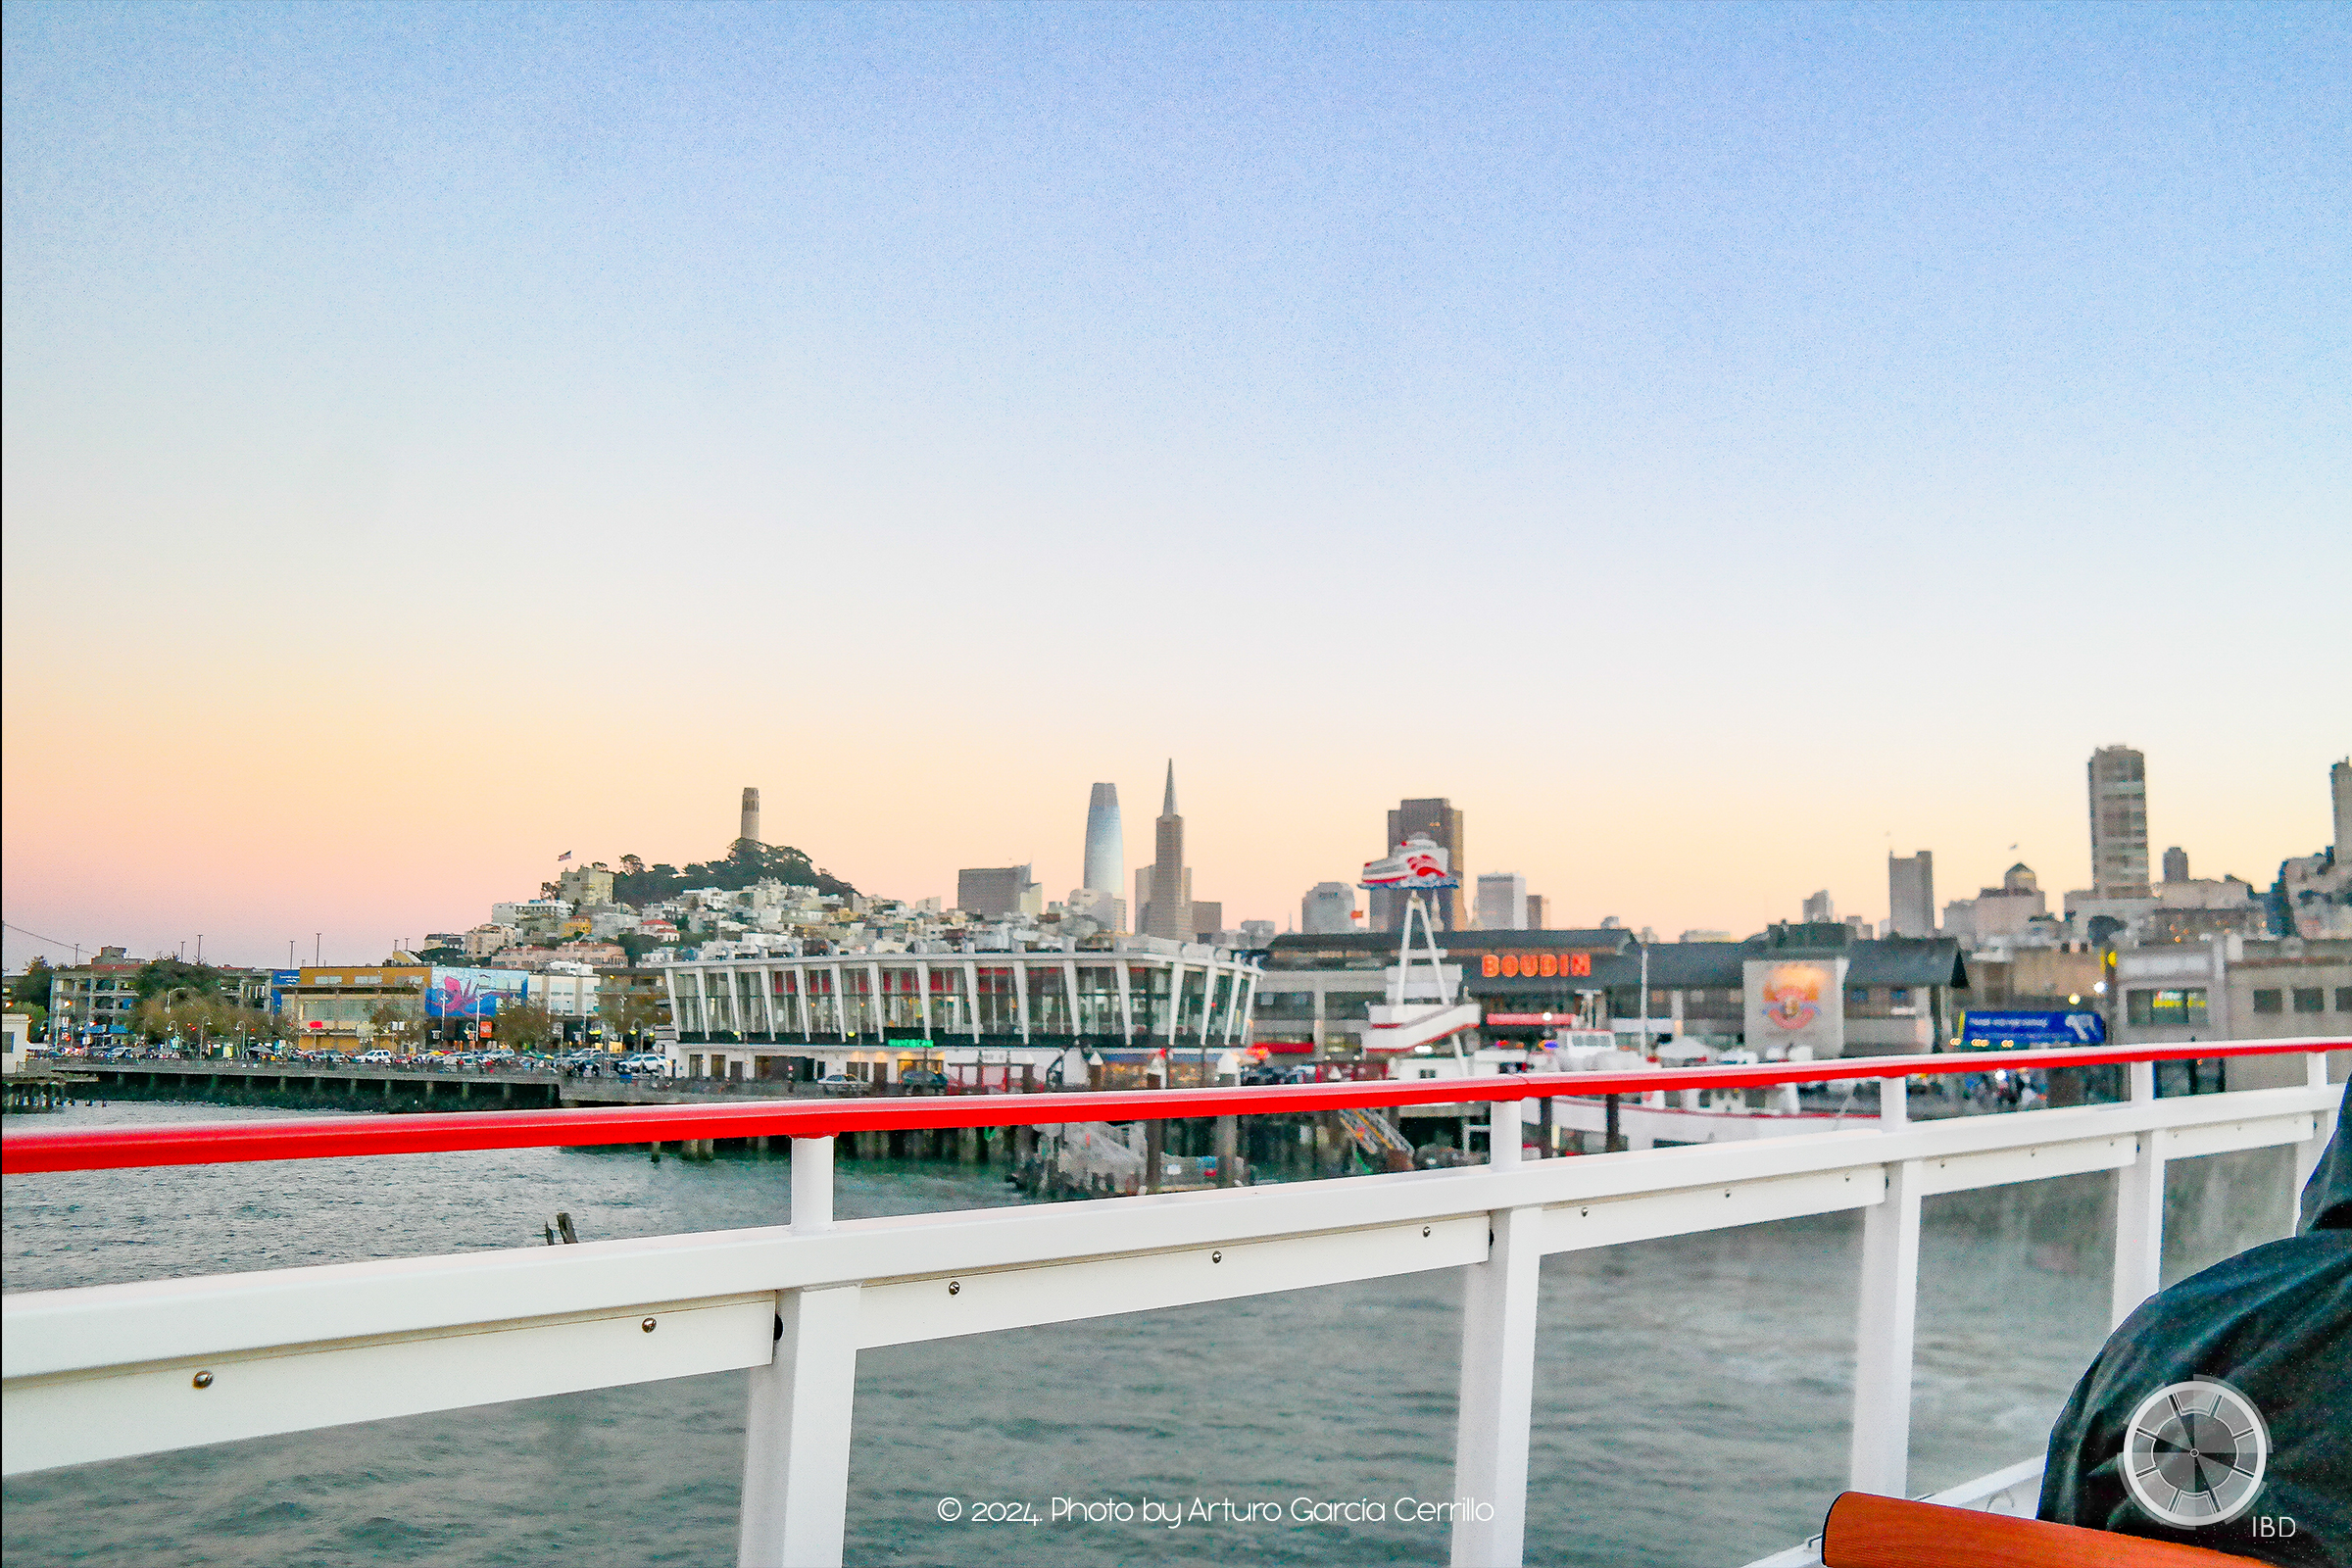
pixel 1712 446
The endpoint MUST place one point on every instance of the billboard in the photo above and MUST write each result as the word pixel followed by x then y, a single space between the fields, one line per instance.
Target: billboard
pixel 2030 1029
pixel 1418 865
pixel 1797 1002
pixel 472 993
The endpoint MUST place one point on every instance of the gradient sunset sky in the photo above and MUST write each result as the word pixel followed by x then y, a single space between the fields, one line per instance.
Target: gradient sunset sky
pixel 1712 445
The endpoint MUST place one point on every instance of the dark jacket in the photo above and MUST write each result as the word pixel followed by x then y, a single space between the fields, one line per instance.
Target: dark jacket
pixel 2276 1324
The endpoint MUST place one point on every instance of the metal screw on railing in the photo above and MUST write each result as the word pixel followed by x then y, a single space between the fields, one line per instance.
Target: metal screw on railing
pixel 647 1325
pixel 202 1380
pixel 955 1287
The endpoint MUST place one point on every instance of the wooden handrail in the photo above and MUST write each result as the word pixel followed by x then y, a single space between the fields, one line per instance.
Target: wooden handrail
pixel 1866 1530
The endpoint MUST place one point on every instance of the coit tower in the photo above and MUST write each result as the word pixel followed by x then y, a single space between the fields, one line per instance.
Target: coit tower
pixel 751 815
pixel 1105 844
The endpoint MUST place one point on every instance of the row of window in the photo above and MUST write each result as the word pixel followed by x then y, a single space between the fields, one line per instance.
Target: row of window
pixel 2307 999
pixel 2185 1007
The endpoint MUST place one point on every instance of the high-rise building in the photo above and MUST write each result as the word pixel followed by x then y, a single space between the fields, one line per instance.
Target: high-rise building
pixel 1208 919
pixel 1105 844
pixel 1328 908
pixel 1502 901
pixel 1168 898
pixel 2119 824
pixel 1535 912
pixel 2175 864
pixel 1911 893
pixel 1435 819
pixel 2339 785
pixel 749 826
pixel 1821 908
pixel 1256 933
pixel 995 891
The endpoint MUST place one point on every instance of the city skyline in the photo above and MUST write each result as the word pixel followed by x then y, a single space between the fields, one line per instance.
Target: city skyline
pixel 463 359
pixel 1746 901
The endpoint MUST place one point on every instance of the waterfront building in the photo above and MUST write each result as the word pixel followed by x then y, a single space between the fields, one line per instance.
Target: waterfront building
pixel 100 998
pixel 1850 994
pixel 2235 987
pixel 1165 898
pixel 1105 844
pixel 1435 819
pixel 1503 902
pixel 405 1006
pixel 2061 973
pixel 1911 893
pixel 995 892
pixel 2119 824
pixel 97 998
pixel 1020 1013
pixel 1328 907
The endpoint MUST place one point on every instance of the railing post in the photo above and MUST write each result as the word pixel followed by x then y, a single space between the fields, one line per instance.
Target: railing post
pixel 2308 1151
pixel 2140 1208
pixel 1879 1458
pixel 1498 1373
pixel 796 1455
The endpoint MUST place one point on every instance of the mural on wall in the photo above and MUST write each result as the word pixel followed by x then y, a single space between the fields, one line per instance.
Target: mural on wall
pixel 472 993
pixel 1793 1002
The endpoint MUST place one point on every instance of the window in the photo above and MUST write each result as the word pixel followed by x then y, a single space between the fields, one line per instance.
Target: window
pixel 2310 999
pixel 1857 996
pixel 2343 998
pixel 2167 1010
pixel 2267 1002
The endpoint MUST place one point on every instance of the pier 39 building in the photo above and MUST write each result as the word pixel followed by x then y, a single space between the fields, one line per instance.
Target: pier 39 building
pixel 1005 1018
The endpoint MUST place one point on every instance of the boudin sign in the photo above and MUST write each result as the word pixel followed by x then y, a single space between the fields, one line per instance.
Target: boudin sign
pixel 1535 966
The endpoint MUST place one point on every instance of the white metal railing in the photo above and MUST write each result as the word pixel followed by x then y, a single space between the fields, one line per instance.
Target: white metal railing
pixel 114 1371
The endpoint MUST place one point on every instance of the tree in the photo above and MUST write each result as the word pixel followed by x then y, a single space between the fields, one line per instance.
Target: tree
pixel 31 988
pixel 401 1018
pixel 630 1011
pixel 743 863
pixel 161 976
pixel 185 1013
pixel 524 1025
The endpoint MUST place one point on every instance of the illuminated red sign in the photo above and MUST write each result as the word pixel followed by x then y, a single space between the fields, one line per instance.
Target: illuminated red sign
pixel 1535 966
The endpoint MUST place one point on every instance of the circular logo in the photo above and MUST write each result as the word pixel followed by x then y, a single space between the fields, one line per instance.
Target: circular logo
pixel 2195 1452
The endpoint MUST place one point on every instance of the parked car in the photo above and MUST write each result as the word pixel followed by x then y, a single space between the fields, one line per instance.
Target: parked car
pixel 378 1057
pixel 835 1082
pixel 645 1063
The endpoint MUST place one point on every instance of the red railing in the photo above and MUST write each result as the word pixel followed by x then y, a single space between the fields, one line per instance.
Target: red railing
pixel 343 1136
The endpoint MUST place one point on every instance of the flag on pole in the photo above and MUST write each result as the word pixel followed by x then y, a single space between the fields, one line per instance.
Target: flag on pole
pixel 565 855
